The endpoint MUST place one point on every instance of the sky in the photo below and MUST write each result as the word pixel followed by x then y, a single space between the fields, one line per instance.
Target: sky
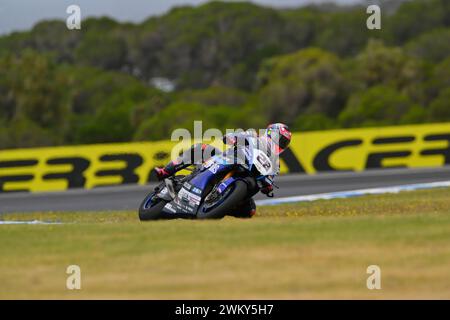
pixel 16 15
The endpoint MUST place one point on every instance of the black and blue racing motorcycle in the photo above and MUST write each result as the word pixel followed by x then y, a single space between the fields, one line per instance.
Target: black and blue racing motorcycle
pixel 216 188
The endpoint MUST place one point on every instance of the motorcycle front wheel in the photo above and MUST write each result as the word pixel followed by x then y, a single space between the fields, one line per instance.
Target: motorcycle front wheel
pixel 217 207
pixel 151 208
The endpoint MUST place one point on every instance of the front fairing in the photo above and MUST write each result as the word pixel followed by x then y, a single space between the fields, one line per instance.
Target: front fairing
pixel 191 195
pixel 260 158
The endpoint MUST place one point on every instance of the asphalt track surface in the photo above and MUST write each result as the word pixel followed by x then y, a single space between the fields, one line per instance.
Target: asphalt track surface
pixel 129 197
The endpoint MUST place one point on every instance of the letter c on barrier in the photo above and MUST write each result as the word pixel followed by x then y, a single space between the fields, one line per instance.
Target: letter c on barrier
pixel 322 159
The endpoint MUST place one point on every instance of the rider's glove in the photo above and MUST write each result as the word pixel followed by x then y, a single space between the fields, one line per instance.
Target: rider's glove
pixel 267 189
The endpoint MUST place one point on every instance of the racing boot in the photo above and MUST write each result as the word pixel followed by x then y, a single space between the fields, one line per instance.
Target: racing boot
pixel 169 170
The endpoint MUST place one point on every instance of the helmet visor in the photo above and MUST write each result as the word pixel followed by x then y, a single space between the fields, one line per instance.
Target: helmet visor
pixel 281 142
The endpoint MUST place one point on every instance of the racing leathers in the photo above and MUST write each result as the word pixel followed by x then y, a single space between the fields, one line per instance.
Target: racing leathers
pixel 201 152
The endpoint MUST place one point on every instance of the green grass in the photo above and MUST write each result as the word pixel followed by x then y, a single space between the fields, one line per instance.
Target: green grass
pixel 310 250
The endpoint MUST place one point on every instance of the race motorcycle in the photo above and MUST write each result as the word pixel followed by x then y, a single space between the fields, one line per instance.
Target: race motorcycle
pixel 215 188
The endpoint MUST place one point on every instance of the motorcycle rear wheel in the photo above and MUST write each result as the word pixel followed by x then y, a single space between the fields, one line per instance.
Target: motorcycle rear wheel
pixel 230 200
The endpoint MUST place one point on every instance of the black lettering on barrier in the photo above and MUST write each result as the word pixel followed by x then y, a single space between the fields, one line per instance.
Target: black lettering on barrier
pixel 292 162
pixel 444 152
pixel 389 140
pixel 128 175
pixel 375 160
pixel 20 177
pixel 75 178
pixel 322 159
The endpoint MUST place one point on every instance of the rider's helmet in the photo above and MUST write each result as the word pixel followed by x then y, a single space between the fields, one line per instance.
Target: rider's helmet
pixel 280 135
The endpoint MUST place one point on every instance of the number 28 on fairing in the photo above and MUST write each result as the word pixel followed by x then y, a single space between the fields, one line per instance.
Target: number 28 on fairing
pixel 262 162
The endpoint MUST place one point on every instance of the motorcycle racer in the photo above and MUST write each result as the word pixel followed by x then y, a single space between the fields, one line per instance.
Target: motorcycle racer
pixel 276 135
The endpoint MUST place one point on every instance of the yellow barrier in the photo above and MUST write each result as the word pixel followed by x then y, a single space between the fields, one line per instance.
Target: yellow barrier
pixel 60 168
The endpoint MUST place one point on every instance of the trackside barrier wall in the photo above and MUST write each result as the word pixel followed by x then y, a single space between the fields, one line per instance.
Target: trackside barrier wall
pixel 91 166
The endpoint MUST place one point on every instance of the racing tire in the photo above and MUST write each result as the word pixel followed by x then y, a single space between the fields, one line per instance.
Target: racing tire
pixel 154 212
pixel 231 200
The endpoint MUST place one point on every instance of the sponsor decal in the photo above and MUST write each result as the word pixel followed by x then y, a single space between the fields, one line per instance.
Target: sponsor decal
pixel 169 207
pixel 214 167
pixel 189 197
pixel 196 190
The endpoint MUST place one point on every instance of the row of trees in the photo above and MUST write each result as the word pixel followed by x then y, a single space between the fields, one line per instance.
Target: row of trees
pixel 234 65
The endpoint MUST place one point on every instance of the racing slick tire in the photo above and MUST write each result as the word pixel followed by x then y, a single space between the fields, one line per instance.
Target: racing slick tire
pixel 148 210
pixel 225 204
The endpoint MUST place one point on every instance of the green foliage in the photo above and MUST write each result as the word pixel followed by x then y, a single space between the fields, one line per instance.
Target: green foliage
pixel 33 92
pixel 107 106
pixel 104 51
pixel 416 17
pixel 307 81
pixel 221 42
pixel 301 27
pixel 314 121
pixel 344 32
pixel 24 133
pixel 440 107
pixel 433 46
pixel 67 104
pixel 183 115
pixel 217 42
pixel 234 65
pixel 214 96
pixel 379 64
pixel 108 125
pixel 379 105
pixel 438 80
pixel 49 36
